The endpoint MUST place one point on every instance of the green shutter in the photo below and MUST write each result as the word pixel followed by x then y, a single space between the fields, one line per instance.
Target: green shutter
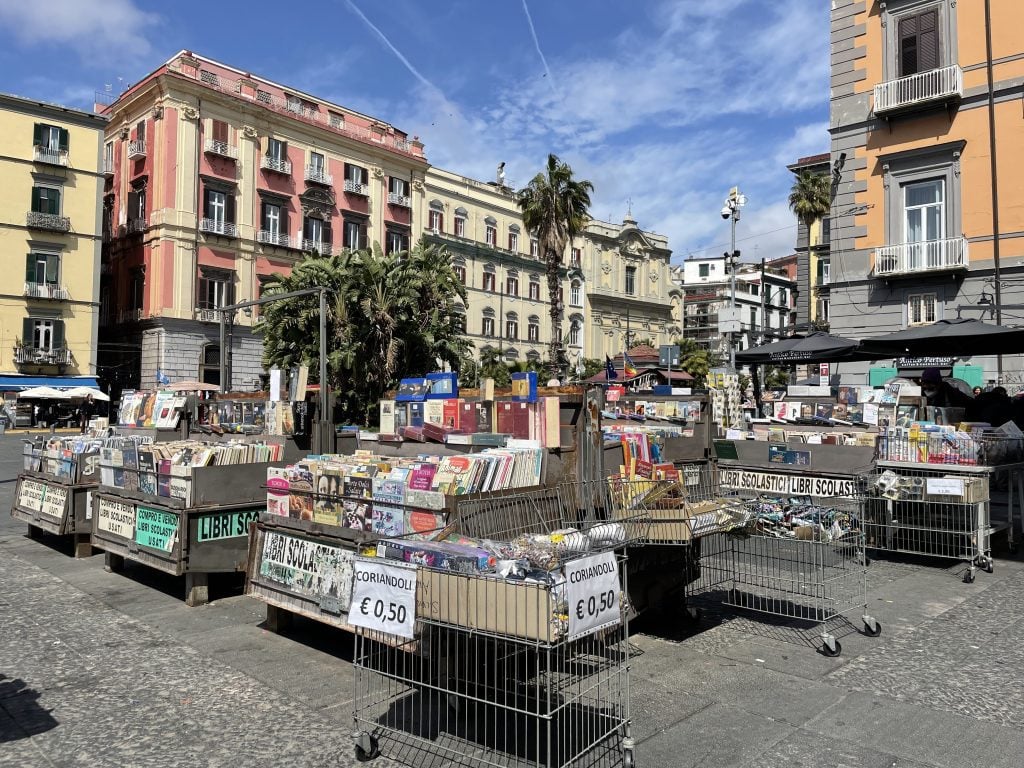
pixel 229 208
pixel 52 268
pixel 64 139
pixel 37 134
pixel 30 268
pixel 54 198
pixel 35 200
pixel 58 334
pixel 26 332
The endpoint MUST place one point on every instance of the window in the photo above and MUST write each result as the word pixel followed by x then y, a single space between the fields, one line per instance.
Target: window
pixel 754 289
pixel 753 317
pixel 490 280
pixel 317 234
pixel 575 333
pixel 317 163
pixel 436 221
pixel 630 280
pixel 460 272
pixel 277 150
pixel 140 131
pixel 918 42
pixel 577 257
pixel 922 308
pixel 42 269
pixel 137 204
pixel 50 137
pixel 782 321
pixel 704 270
pixel 487 327
pixel 512 284
pixel 576 294
pixel 511 326
pixel 219 209
pixel 137 289
pixel 824 268
pixel 397 186
pixel 355 234
pixel 924 210
pixel 209 371
pixel 513 241
pixel 511 355
pixel 356 174
pixel 336 121
pixel 215 288
pixel 491 235
pixel 219 131
pixel 823 310
pixel 293 103
pixel 534 247
pixel 43 333
pixel 460 226
pixel 272 220
pixel 46 200
pixel 534 288
pixel 533 328
pixel 108 157
pixel 397 242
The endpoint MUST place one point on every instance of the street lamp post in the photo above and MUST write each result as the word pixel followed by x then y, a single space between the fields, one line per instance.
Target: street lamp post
pixel 733 203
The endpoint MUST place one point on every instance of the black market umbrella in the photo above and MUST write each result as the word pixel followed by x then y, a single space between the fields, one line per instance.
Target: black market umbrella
pixel 818 347
pixel 947 338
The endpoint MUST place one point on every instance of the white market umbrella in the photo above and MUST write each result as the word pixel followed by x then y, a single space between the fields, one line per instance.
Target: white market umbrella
pixel 44 393
pixel 84 392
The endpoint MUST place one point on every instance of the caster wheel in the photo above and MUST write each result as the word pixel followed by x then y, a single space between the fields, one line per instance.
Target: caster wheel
pixel 969 577
pixel 989 566
pixel 367 749
pixel 872 628
pixel 830 651
pixel 627 759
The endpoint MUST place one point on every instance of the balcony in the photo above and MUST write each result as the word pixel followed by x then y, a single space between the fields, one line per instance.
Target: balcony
pixel 277 166
pixel 273 238
pixel 129 315
pixel 136 149
pixel 919 258
pixel 357 188
pixel 395 198
pixel 50 156
pixel 923 88
pixel 318 175
pixel 324 249
pixel 216 227
pixel 220 148
pixel 135 226
pixel 48 221
pixel 204 315
pixel 25 355
pixel 47 291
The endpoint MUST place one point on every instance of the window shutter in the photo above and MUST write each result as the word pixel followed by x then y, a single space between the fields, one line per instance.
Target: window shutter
pixel 133 205
pixel 28 332
pixel 365 174
pixel 220 131
pixel 64 139
pixel 57 341
pixel 284 222
pixel 263 216
pixel 306 229
pixel 36 203
pixel 30 268
pixel 928 41
pixel 37 134
pixel 229 209
pixel 206 204
pixel 908 46
pixel 327 233
pixel 52 268
pixel 362 237
pixel 54 198
pixel 284 151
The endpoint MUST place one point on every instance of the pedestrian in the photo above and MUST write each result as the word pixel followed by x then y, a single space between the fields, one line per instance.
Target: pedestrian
pixel 85 412
pixel 976 391
pixel 940 393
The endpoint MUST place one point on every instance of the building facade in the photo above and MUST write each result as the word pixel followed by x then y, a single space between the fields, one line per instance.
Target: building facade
pixel 615 277
pixel 216 179
pixel 765 295
pixel 926 157
pixel 812 251
pixel 50 230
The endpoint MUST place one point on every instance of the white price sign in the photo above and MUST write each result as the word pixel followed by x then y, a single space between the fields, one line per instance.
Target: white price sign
pixel 593 591
pixel 945 486
pixel 383 597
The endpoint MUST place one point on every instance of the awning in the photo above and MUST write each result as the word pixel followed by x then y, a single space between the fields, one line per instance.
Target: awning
pixel 15 383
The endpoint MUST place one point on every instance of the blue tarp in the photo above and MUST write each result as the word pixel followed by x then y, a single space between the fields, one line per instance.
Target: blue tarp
pixel 13 383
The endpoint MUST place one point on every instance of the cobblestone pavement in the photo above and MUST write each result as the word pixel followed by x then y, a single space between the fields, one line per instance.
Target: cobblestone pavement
pixel 101 669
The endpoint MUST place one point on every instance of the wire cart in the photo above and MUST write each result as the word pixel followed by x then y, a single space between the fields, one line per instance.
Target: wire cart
pixel 513 669
pixel 796 557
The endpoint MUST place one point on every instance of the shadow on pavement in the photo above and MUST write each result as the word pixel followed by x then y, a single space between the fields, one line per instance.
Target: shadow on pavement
pixel 24 717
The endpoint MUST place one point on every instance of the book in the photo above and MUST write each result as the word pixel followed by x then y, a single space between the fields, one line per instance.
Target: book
pixel 433 412
pixel 416 414
pixel 524 387
pixel 387 416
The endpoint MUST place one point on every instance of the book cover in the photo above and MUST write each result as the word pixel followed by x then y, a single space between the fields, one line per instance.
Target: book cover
pixel 452 412
pixel 401 417
pixel 358 514
pixel 415 414
pixel 524 387
pixel 433 412
pixel 505 417
pixel 443 385
pixel 412 390
pixel 823 410
pixel 277 491
pixel 387 417
pixel 467 417
pixel 358 487
pixel 522 414
pixel 422 476
pixel 484 417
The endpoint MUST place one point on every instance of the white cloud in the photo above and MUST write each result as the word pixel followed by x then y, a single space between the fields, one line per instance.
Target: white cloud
pixel 98 29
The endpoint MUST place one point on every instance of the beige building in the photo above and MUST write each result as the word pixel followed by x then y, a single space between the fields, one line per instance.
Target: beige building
pixel 614 275
pixel 50 236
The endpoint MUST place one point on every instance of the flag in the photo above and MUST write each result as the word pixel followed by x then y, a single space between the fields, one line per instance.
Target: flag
pixel 627 366
pixel 609 369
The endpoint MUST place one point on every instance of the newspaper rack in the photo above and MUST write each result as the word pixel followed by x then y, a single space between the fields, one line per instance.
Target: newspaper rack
pixel 507 671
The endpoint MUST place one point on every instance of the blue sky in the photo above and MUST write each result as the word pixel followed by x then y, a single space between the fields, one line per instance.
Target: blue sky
pixel 667 103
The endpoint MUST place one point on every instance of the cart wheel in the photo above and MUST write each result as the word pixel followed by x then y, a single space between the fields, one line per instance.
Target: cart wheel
pixel 969 576
pixel 627 759
pixel 366 748
pixel 989 565
pixel 832 649
pixel 872 627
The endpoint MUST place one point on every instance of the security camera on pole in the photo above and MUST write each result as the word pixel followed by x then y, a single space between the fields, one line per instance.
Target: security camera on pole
pixel 729 322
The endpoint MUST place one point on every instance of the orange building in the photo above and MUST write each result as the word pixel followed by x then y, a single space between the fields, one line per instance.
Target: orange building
pixel 927 161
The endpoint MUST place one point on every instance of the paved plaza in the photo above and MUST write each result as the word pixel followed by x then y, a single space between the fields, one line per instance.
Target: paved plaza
pixel 101 669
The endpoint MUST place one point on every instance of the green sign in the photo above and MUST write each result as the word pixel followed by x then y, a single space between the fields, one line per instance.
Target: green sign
pixel 225 525
pixel 155 528
pixel 725 449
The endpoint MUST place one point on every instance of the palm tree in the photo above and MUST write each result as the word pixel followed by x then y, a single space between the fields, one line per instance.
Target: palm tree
pixel 811 197
pixel 554 207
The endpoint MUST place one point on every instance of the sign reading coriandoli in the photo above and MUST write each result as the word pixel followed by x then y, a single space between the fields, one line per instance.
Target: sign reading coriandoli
pixel 798 485
pixel 384 597
pixel 592 592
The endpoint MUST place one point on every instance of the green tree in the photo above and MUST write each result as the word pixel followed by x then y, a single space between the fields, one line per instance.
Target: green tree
pixel 775 378
pixel 591 367
pixel 810 197
pixel 695 360
pixel 493 367
pixel 555 209
pixel 389 316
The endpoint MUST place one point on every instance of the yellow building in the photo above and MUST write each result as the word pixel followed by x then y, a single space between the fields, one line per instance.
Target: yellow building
pixel 614 275
pixel 50 237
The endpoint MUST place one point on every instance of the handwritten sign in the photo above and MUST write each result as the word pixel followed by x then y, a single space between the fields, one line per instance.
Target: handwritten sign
pixel 54 501
pixel 383 597
pixel 156 529
pixel 593 592
pixel 115 517
pixel 31 494
pixel 945 486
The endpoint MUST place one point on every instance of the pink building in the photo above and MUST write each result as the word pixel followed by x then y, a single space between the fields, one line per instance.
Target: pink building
pixel 216 179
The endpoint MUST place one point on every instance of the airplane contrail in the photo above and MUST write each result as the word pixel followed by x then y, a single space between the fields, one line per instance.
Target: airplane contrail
pixel 536 44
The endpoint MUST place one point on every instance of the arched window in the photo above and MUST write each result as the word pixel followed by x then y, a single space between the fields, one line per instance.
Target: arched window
pixel 513 238
pixel 511 354
pixel 490 278
pixel 487 326
pixel 511 325
pixel 534 287
pixel 533 328
pixel 576 294
pixel 459 267
pixel 461 214
pixel 436 221
pixel 575 331
pixel 512 283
